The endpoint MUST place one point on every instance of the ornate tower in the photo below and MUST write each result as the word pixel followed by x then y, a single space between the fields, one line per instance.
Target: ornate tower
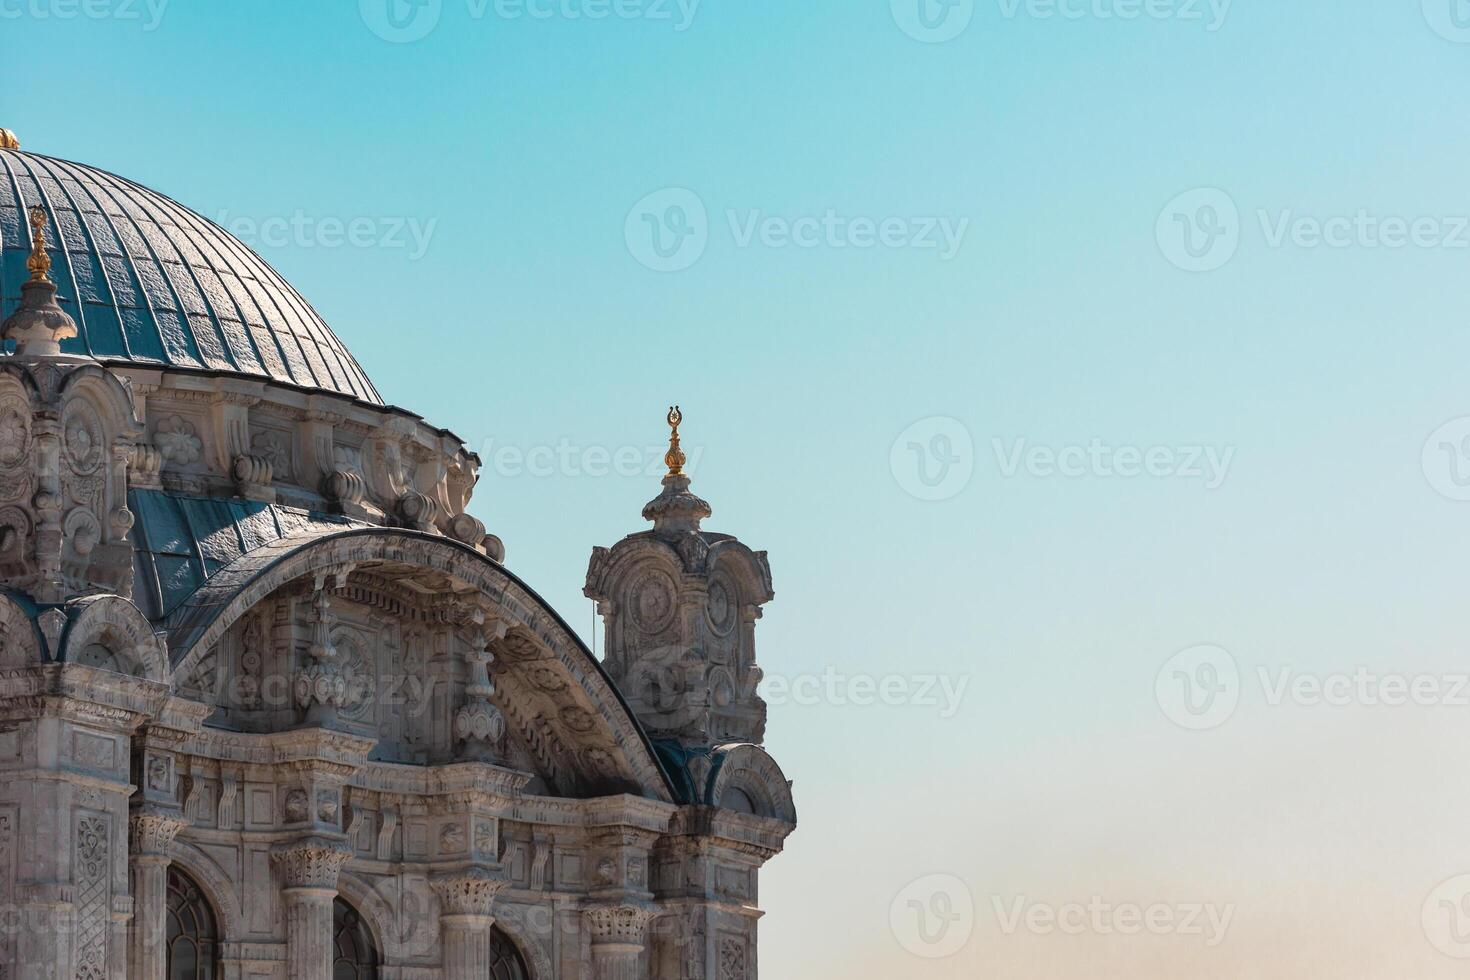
pixel 680 606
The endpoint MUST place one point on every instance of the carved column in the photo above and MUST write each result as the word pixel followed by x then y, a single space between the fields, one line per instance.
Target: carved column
pixel 618 938
pixel 308 869
pixel 467 897
pixel 150 832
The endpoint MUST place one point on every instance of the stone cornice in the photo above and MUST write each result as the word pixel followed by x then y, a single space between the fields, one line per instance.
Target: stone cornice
pixel 331 753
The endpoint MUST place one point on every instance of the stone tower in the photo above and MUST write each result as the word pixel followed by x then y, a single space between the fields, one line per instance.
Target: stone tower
pixel 680 606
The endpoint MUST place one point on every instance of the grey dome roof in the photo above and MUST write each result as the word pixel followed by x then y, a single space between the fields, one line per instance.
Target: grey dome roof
pixel 148 281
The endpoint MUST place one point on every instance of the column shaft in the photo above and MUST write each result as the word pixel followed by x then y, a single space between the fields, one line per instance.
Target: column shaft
pixel 308 933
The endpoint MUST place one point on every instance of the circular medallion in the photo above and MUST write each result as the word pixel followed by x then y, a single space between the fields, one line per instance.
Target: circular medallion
pixel 15 431
pixel 721 607
pixel 82 431
pixel 653 602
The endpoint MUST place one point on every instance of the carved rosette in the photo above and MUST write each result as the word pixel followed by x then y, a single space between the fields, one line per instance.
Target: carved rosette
pixel 151 831
pixel 469 891
pixel 312 862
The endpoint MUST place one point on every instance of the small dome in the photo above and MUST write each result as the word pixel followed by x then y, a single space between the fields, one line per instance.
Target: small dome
pixel 150 282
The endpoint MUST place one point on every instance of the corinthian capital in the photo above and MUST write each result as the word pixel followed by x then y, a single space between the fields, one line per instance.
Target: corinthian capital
pixel 151 830
pixel 311 862
pixel 619 925
pixel 469 891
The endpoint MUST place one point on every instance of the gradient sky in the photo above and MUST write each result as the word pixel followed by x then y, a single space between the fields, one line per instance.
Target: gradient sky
pixel 1061 135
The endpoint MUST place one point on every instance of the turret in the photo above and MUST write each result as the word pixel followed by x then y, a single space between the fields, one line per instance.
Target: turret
pixel 680 605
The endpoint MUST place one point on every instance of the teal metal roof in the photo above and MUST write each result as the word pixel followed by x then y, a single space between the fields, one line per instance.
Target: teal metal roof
pixel 180 541
pixel 149 281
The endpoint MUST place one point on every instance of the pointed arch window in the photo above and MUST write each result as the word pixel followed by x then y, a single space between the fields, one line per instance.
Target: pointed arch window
pixel 354 956
pixel 192 936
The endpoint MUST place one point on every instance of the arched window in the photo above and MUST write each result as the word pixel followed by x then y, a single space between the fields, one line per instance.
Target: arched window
pixel 193 941
pixel 354 957
pixel 505 959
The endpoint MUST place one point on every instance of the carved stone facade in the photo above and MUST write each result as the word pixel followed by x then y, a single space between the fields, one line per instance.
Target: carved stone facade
pixel 256 656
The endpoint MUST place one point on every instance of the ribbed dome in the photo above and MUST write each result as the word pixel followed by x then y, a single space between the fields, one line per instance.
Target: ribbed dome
pixel 149 281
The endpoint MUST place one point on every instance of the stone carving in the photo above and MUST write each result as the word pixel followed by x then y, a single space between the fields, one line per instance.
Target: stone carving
pixel 151 831
pixel 297 807
pixel 92 852
pixel 145 462
pixel 326 806
pixel 479 724
pixel 178 441
pixel 312 862
pixel 275 448
pixel 321 686
pixel 470 891
pixel 418 510
pixel 621 925
pixel 451 838
pixel 160 774
pixel 732 958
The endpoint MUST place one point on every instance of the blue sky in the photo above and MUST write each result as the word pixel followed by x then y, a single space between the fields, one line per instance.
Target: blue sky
pixel 1065 147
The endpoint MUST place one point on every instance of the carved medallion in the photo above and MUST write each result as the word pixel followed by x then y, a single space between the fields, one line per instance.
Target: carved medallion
pixel 653 602
pixel 82 430
pixel 721 607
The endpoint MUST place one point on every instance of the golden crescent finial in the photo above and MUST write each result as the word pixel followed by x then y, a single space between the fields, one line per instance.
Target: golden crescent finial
pixel 38 262
pixel 674 458
pixel 8 140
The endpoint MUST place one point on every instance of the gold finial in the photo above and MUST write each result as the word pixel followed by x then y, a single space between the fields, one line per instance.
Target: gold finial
pixel 8 140
pixel 675 456
pixel 39 262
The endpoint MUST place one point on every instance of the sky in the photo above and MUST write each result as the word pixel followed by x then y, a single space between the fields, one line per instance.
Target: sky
pixel 1093 371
